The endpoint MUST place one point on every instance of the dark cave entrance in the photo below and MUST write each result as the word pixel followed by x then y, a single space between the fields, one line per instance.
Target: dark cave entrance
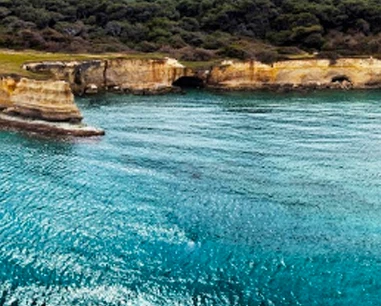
pixel 341 79
pixel 189 82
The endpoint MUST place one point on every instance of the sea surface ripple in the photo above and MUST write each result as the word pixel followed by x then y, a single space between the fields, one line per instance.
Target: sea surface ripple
pixel 201 199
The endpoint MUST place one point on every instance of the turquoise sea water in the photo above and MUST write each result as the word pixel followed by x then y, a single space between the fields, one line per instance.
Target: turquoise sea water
pixel 202 199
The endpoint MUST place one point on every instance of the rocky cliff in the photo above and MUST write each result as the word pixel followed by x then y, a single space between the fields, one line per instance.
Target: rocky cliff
pixel 158 75
pixel 7 87
pixel 316 73
pixel 41 106
pixel 119 74
pixel 132 75
pixel 53 101
pixel 47 100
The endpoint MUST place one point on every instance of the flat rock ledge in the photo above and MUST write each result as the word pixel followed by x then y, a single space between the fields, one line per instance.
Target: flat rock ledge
pixel 48 127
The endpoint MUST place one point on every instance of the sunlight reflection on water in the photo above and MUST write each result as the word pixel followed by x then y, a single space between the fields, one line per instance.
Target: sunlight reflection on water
pixel 203 199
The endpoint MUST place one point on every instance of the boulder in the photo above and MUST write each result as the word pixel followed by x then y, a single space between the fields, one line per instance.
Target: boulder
pixel 91 89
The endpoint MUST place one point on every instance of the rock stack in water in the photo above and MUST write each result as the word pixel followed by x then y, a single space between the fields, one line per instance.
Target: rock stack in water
pixel 46 100
pixel 46 107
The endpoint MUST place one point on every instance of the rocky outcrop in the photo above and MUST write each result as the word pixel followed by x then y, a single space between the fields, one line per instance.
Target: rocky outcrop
pixel 140 75
pixel 312 73
pixel 41 106
pixel 46 100
pixel 49 105
pixel 155 76
pixel 7 87
pixel 119 74
pixel 79 74
pixel 47 127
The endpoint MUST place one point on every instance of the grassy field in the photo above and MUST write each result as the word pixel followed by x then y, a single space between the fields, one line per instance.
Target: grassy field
pixel 11 61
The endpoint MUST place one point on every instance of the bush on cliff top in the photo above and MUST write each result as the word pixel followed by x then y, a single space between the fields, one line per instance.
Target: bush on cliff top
pixel 231 27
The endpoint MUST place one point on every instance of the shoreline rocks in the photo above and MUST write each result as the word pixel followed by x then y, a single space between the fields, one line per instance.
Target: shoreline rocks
pixel 49 105
pixel 140 76
pixel 45 107
pixel 7 87
pixel 307 74
pixel 158 76
pixel 47 127
pixel 47 100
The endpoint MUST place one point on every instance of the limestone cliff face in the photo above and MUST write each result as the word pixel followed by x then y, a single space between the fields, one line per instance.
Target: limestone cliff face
pixel 7 87
pixel 47 100
pixel 113 74
pixel 79 74
pixel 137 74
pixel 157 76
pixel 356 73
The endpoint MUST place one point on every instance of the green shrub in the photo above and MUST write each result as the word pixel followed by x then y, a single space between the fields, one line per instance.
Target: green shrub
pixel 196 54
pixel 146 46
pixel 267 56
pixel 314 41
pixel 346 26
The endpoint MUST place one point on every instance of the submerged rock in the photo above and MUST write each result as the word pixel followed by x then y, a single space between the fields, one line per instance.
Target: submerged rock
pixel 48 127
pixel 160 90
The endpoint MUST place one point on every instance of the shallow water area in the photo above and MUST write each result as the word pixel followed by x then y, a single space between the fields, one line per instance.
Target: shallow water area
pixel 201 199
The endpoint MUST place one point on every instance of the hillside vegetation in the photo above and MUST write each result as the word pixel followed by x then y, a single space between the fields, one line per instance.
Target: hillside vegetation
pixel 195 30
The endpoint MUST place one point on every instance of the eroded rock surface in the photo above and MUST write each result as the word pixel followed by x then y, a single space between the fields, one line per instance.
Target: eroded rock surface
pixel 7 87
pixel 79 74
pixel 157 76
pixel 121 74
pixel 343 73
pixel 45 107
pixel 47 100
pixel 135 75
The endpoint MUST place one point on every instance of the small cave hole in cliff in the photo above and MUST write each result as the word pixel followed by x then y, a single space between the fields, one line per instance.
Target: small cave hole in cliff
pixel 341 79
pixel 189 82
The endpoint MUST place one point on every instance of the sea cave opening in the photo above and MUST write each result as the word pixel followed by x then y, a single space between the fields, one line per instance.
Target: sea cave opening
pixel 189 82
pixel 341 79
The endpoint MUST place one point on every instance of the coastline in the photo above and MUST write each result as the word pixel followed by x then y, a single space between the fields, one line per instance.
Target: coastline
pixel 44 102
pixel 167 75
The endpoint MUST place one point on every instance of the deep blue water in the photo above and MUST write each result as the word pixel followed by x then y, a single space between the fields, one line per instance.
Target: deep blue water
pixel 202 199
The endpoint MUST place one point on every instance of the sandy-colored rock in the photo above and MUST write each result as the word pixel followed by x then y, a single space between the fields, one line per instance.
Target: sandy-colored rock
pixel 79 74
pixel 7 87
pixel 91 89
pixel 131 75
pixel 47 100
pixel 343 73
pixel 155 76
pixel 142 74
